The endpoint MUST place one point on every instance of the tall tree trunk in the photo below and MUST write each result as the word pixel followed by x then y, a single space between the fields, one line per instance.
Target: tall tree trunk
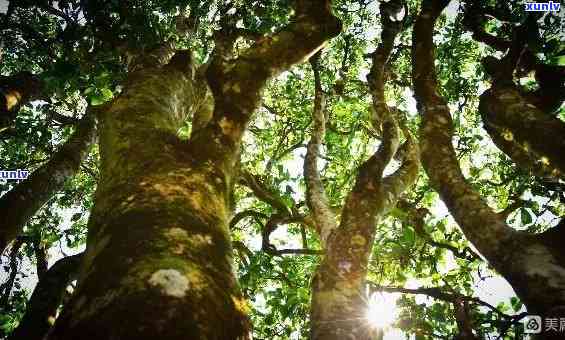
pixel 532 264
pixel 22 202
pixel 339 294
pixel 158 263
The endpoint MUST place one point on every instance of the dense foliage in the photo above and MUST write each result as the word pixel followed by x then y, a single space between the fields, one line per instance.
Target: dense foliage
pixel 79 51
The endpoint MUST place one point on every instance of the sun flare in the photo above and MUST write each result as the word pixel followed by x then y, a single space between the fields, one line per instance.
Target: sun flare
pixel 381 310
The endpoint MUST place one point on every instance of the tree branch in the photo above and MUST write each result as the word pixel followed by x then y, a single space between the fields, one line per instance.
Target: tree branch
pixel 237 83
pixel 520 130
pixel 438 293
pixel 263 193
pixel 46 298
pixel 6 287
pixel 316 199
pixel 484 228
pixel 416 218
pixel 245 214
pixel 19 204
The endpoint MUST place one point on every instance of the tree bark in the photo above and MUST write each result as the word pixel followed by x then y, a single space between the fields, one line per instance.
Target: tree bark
pixel 22 202
pixel 158 263
pixel 533 139
pixel 46 298
pixel 532 264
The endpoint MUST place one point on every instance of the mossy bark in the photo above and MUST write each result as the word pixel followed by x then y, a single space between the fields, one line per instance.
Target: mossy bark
pixel 339 303
pixel 158 263
pixel 533 139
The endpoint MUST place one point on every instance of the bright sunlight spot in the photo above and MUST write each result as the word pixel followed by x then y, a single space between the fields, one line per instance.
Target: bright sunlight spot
pixel 381 312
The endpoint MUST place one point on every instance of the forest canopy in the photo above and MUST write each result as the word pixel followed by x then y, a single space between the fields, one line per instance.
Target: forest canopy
pixel 282 169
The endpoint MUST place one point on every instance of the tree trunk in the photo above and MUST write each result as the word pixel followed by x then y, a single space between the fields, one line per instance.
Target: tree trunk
pixel 158 263
pixel 339 294
pixel 22 202
pixel 339 304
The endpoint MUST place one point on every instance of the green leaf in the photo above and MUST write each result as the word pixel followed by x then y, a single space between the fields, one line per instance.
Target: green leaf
pixel 107 93
pixel 515 303
pixel 525 216
pixel 409 236
pixel 559 60
pixel 97 100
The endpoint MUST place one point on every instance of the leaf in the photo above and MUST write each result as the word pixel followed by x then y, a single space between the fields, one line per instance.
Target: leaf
pixel 525 216
pixel 559 60
pixel 107 94
pixel 89 90
pixel 409 236
pixel 516 303
pixel 97 100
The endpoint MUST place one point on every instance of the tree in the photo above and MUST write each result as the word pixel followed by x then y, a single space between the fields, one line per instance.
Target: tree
pixel 200 179
pixel 338 289
pixel 173 207
pixel 527 261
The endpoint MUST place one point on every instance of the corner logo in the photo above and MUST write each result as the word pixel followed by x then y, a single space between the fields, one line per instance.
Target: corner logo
pixel 532 324
pixel 542 6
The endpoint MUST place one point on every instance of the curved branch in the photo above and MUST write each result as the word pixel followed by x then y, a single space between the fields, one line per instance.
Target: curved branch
pixel 237 83
pixel 484 228
pixel 521 131
pixel 316 199
pixel 245 214
pixel 262 192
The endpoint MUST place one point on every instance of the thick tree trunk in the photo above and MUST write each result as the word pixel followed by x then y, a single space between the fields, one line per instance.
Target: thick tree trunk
pixel 158 261
pixel 22 202
pixel 339 302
